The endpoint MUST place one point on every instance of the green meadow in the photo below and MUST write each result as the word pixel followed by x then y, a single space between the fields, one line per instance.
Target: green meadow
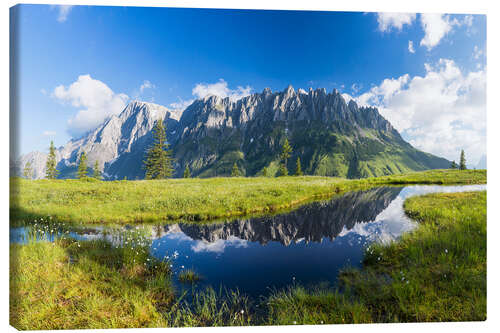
pixel 435 273
pixel 144 201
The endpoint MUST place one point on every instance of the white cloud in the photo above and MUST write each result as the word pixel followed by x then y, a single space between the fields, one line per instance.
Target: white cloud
pixel 95 100
pixel 386 90
pixel 477 52
pixel 348 98
pixel 356 87
pixel 410 46
pixel 468 20
pixel 146 85
pixel 49 133
pixel 181 105
pixel 219 245
pixel 220 89
pixel 435 26
pixel 64 11
pixel 441 112
pixel 387 21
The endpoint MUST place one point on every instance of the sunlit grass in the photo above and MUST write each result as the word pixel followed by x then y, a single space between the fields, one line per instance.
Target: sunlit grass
pixel 435 273
pixel 70 284
pixel 142 201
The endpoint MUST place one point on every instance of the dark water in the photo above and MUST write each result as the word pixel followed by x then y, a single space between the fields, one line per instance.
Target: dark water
pixel 307 246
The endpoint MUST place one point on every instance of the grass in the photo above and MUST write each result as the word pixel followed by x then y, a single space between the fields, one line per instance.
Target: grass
pixel 71 284
pixel 435 273
pixel 92 201
pixel 188 276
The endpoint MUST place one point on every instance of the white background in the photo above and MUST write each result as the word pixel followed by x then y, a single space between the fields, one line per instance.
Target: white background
pixel 438 6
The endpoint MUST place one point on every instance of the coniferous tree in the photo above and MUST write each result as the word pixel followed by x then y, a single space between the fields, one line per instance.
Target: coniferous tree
pixel 96 172
pixel 187 173
pixel 28 171
pixel 51 170
pixel 285 154
pixel 282 170
pixel 235 172
pixel 82 166
pixel 298 168
pixel 158 163
pixel 353 171
pixel 462 165
pixel 453 165
pixel 265 172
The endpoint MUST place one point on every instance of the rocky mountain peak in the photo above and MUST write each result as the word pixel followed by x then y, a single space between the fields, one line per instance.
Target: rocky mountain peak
pixel 213 133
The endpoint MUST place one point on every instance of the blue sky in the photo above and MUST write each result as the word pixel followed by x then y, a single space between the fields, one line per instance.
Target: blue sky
pixel 80 64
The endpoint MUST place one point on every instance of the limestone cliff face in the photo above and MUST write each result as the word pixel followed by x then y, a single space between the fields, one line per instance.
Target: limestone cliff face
pixel 331 138
pixel 109 143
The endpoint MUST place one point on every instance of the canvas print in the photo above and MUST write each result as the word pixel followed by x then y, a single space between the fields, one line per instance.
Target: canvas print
pixel 176 167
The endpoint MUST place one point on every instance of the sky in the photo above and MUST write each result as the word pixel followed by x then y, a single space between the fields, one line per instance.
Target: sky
pixel 78 65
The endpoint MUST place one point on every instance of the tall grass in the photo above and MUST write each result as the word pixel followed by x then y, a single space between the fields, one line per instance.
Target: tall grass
pixel 435 273
pixel 192 199
pixel 70 284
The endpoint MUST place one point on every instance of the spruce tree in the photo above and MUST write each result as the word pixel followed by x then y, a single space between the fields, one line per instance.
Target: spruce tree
pixel 285 155
pixel 158 163
pixel 298 168
pixel 51 170
pixel 187 173
pixel 96 172
pixel 82 166
pixel 282 170
pixel 235 172
pixel 28 171
pixel 453 165
pixel 462 161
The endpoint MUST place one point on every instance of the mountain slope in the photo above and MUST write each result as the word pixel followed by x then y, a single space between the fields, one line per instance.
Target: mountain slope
pixel 110 143
pixel 331 138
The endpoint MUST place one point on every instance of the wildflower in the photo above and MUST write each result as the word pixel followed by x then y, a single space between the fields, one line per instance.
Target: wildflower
pixel 294 322
pixel 242 311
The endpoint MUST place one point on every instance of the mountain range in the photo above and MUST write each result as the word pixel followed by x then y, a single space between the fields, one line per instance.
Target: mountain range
pixel 331 138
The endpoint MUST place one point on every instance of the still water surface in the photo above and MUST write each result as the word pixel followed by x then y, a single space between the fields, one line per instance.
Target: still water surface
pixel 307 246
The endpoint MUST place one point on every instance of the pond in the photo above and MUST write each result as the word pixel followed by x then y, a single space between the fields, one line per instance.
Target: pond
pixel 307 246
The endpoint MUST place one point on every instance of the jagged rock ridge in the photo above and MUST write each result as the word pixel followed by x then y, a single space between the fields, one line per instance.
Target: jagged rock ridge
pixel 330 136
pixel 110 143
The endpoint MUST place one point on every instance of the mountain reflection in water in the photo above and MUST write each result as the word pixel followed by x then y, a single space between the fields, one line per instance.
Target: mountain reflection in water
pixel 310 223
